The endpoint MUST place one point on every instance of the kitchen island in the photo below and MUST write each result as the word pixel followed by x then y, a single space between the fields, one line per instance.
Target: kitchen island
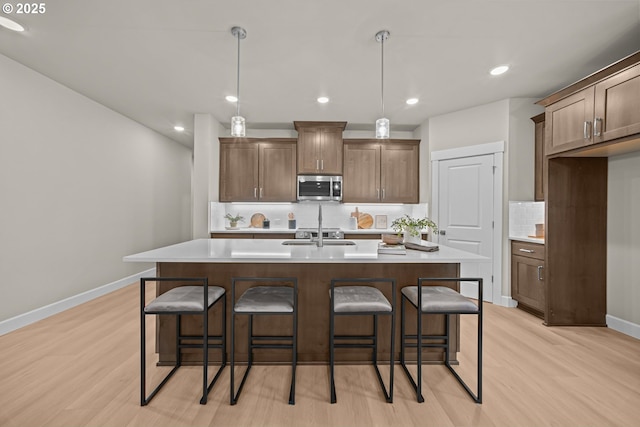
pixel 222 259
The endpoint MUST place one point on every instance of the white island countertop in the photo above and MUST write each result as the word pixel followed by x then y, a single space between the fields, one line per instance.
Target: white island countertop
pixel 279 230
pixel 273 251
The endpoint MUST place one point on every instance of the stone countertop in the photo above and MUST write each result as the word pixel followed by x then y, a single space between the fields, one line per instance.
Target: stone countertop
pixel 273 251
pixel 280 230
pixel 539 240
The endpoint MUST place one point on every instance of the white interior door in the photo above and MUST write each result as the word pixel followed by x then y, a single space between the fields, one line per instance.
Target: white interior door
pixel 465 215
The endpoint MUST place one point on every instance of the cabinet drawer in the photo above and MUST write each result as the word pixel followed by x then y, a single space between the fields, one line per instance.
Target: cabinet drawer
pixel 527 282
pixel 530 250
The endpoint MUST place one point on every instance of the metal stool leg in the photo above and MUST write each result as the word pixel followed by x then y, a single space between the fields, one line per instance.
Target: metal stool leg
pixel 392 354
pixel 332 352
pixel 233 352
pixel 419 344
pixel 205 356
pixel 294 350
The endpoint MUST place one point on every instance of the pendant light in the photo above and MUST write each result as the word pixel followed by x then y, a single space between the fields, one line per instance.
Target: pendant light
pixel 238 128
pixel 382 124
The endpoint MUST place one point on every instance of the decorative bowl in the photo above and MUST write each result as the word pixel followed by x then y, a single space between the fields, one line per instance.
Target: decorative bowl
pixel 392 239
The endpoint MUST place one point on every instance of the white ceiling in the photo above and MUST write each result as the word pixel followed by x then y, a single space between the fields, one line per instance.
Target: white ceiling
pixel 160 61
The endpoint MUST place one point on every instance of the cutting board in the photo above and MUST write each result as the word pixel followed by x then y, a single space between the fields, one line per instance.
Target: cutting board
pixel 256 220
pixel 365 220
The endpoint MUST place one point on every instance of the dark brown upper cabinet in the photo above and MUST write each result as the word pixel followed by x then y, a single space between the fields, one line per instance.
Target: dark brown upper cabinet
pixel 320 147
pixel 381 172
pixel 257 170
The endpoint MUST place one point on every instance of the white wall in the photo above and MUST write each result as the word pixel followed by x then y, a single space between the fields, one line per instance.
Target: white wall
pixel 623 239
pixel 81 186
pixel 206 158
pixel 473 126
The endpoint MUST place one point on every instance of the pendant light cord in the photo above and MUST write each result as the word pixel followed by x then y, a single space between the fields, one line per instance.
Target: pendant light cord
pixel 382 75
pixel 238 79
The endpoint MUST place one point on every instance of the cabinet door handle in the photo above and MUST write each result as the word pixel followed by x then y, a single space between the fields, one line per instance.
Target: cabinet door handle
pixel 261 192
pixel 529 251
pixel 317 164
pixel 383 194
pixel 587 129
pixel 540 273
pixel 597 130
pixel 255 192
pixel 322 164
pixel 378 193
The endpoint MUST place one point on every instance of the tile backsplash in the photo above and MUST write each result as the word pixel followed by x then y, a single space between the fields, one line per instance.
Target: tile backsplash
pixel 306 213
pixel 523 216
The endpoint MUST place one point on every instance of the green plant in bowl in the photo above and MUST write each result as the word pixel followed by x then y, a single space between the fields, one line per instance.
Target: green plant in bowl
pixel 233 219
pixel 413 226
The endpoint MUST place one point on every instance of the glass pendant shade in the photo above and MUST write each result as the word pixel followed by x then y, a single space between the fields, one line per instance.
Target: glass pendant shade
pixel 382 128
pixel 238 128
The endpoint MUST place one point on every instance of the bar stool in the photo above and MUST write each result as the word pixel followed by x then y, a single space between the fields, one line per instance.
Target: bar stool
pixel 439 300
pixel 269 299
pixel 361 300
pixel 193 300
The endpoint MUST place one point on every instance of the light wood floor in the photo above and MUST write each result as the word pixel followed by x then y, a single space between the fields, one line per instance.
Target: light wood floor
pixel 80 368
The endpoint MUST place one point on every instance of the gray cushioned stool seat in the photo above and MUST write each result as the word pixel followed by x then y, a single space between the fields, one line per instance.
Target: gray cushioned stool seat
pixel 266 299
pixel 183 298
pixel 440 299
pixel 353 299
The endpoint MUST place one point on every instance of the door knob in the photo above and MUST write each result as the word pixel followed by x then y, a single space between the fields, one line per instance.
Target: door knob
pixel 443 232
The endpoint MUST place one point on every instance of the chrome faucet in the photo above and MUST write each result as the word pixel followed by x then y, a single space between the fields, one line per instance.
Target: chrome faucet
pixel 319 242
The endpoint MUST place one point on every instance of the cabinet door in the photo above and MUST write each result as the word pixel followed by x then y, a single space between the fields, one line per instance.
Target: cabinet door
pixel 617 106
pixel 239 172
pixel 526 281
pixel 539 168
pixel 568 122
pixel 399 173
pixel 277 172
pixel 308 150
pixel 361 179
pixel 331 151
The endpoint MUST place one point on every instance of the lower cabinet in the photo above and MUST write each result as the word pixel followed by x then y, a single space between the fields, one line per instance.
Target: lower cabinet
pixel 527 276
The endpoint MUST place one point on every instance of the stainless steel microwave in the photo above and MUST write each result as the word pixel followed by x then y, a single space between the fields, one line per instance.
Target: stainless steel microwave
pixel 319 188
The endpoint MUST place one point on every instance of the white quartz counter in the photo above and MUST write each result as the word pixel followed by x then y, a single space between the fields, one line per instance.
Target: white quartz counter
pixel 528 239
pixel 253 230
pixel 273 251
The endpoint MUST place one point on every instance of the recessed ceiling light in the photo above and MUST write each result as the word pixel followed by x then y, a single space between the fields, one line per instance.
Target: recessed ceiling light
pixel 412 101
pixel 231 98
pixel 178 128
pixel 10 24
pixel 499 70
pixel 323 100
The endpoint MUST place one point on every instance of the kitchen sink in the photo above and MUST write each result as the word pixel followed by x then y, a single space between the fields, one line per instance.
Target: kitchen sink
pixel 303 242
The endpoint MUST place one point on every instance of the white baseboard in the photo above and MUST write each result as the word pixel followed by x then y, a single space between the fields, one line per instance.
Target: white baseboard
pixel 32 316
pixel 623 326
pixel 507 301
